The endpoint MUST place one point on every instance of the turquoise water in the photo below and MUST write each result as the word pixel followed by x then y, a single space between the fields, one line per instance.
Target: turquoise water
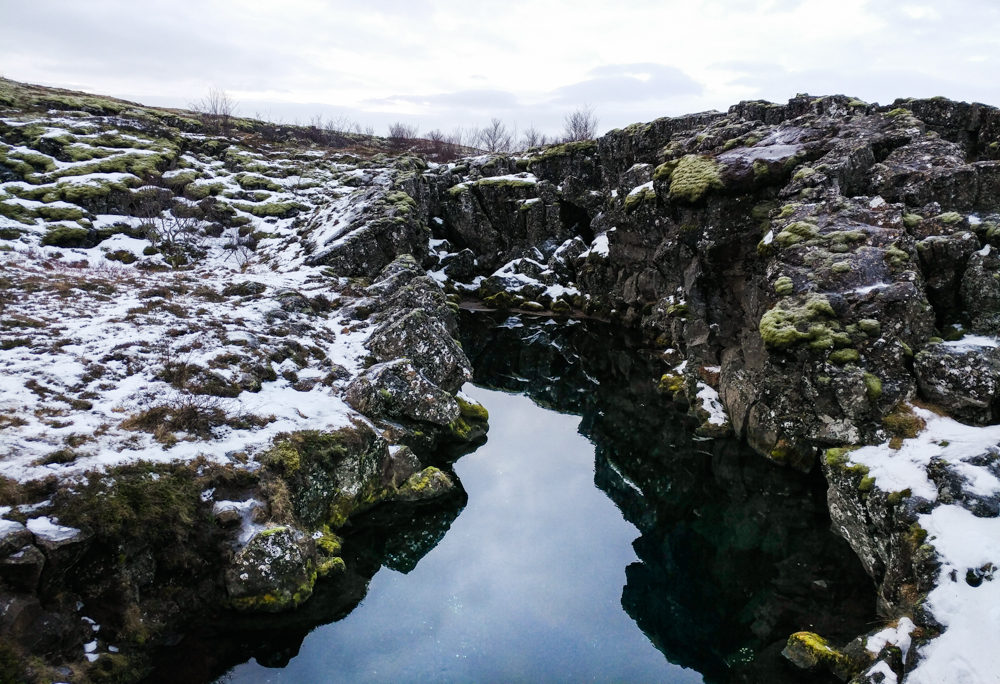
pixel 526 586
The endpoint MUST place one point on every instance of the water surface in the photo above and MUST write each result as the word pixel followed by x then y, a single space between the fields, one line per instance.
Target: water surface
pixel 526 586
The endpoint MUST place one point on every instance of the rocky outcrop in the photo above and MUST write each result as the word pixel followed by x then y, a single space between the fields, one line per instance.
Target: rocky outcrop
pixel 810 268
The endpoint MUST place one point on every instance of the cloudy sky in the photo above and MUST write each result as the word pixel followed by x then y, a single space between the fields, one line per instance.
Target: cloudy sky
pixel 444 63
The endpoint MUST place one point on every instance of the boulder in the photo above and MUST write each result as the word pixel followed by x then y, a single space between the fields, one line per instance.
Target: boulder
pixel 980 289
pixel 398 389
pixel 23 568
pixel 427 343
pixel 961 377
pixel 275 571
pixel 427 484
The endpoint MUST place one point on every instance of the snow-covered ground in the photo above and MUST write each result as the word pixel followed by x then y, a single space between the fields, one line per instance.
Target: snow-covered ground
pixel 88 341
pixel 966 598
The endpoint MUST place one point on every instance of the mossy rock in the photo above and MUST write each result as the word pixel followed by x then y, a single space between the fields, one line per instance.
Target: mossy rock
pixel 845 356
pixel 810 651
pixel 670 383
pixel 636 199
pixel 17 212
pixel 254 182
pixel 65 236
pixel 694 177
pixel 59 213
pixel 789 324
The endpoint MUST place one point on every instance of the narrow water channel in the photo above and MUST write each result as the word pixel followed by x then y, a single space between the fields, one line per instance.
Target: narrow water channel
pixel 525 586
pixel 595 538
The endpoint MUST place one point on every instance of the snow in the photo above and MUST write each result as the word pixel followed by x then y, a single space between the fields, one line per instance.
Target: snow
pixel 9 526
pixel 769 238
pixel 600 246
pixel 969 648
pixel 970 342
pixel 46 529
pixel 906 468
pixel 641 188
pixel 248 528
pixel 711 403
pixel 870 288
pixel 897 636
pixel 881 667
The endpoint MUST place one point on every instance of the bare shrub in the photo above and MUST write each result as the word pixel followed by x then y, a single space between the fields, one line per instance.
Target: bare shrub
pixel 400 134
pixel 532 137
pixel 580 124
pixel 496 137
pixel 216 110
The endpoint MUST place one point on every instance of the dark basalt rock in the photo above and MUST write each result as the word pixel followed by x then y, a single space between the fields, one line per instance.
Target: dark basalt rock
pixel 396 388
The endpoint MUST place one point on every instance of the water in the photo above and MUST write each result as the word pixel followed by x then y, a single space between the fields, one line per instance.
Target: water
pixel 594 538
pixel 525 586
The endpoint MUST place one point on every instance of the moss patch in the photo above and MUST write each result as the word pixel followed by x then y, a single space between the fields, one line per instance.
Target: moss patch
pixel 694 177
pixel 789 324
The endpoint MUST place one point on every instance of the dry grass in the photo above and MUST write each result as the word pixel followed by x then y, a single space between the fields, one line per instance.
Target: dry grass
pixel 903 423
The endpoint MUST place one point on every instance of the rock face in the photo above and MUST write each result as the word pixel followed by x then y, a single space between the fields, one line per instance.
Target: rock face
pixel 275 571
pixel 810 268
pixel 397 388
pixel 806 250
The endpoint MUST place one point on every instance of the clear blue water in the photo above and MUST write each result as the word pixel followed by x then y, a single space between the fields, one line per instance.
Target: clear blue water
pixel 525 587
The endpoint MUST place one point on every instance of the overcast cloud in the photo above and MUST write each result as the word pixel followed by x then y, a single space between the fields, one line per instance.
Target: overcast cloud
pixel 443 63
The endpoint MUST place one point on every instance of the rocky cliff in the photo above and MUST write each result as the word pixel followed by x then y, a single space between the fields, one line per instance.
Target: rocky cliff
pixel 273 324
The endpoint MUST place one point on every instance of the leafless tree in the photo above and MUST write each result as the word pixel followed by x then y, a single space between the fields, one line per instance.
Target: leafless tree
pixel 581 124
pixel 532 137
pixel 496 137
pixel 401 133
pixel 216 109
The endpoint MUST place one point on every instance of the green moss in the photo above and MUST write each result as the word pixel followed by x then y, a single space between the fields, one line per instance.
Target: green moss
pixel 898 111
pixel 664 171
pixel 841 267
pixel 803 173
pixel 787 210
pixel 64 236
pixel 671 383
pixel 472 410
pixel 284 455
pixel 199 191
pixel 565 150
pixel 796 232
pixel 873 386
pixel 272 210
pixel 784 286
pixel 870 326
pixel 634 199
pixel 18 212
pixel 844 356
pixel 949 218
pixel 895 256
pixel 787 324
pixel 912 220
pixel 252 182
pixel 60 213
pixel 866 483
pixel 694 177
pixel 895 498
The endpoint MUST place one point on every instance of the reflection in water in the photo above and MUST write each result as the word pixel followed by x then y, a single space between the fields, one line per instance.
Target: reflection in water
pixel 732 555
pixel 735 552
pixel 525 586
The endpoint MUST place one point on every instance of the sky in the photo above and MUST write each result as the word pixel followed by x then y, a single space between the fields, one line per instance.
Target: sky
pixel 441 64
